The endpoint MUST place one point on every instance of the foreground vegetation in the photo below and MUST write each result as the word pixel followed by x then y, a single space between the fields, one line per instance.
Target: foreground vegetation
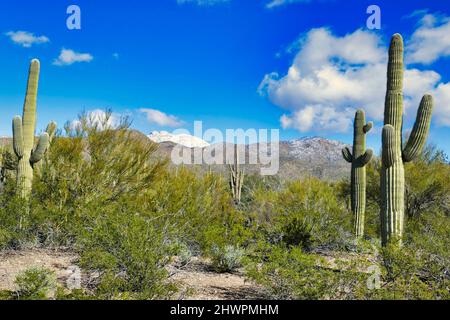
pixel 102 193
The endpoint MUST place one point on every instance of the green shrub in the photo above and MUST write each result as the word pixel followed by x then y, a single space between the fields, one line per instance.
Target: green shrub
pixel 227 259
pixel 289 273
pixel 306 213
pixel 35 284
pixel 130 255
pixel 407 274
pixel 14 220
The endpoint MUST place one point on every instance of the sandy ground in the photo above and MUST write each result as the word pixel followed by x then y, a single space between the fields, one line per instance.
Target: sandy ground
pixel 14 262
pixel 197 280
pixel 200 282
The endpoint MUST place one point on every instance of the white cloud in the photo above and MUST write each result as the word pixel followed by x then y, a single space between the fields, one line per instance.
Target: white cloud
pixel 68 57
pixel 442 104
pixel 327 118
pixel 430 41
pixel 26 39
pixel 278 3
pixel 160 118
pixel 202 2
pixel 332 76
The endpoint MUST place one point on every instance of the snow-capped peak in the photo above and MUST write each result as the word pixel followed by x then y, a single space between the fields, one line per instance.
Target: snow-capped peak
pixel 185 140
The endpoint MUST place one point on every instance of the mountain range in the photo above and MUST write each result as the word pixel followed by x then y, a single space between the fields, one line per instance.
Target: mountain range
pixel 308 156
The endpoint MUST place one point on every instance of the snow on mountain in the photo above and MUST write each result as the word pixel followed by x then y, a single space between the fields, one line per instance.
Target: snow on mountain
pixel 309 148
pixel 185 140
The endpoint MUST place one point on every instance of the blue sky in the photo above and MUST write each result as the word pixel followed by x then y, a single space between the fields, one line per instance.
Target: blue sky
pixel 301 66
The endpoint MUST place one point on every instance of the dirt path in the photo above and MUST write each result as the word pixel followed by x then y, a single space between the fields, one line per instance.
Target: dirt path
pixel 200 282
pixel 197 281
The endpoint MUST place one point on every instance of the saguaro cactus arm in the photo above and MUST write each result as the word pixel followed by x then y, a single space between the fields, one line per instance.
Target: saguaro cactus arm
pixel 420 131
pixel 347 154
pixel 366 157
pixel 368 127
pixel 38 153
pixel 18 136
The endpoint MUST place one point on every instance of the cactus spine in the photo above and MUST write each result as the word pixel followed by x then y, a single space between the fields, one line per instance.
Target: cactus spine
pixel 359 159
pixel 237 177
pixel 23 135
pixel 393 158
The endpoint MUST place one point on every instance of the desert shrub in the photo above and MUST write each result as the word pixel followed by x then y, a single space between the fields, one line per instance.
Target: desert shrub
pixel 90 168
pixel 305 213
pixel 227 259
pixel 254 183
pixel 407 274
pixel 34 284
pixel 199 210
pixel 289 273
pixel 14 220
pixel 427 187
pixel 129 254
pixel 183 253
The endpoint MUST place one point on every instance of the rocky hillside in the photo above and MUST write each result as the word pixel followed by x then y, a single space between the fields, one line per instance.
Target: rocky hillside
pixel 310 156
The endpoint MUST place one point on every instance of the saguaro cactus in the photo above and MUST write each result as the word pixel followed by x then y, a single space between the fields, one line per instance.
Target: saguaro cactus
pixel 393 158
pixel 237 177
pixel 23 135
pixel 359 159
pixel 51 131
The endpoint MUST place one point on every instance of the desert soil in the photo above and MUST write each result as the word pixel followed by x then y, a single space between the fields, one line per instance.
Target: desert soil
pixel 197 280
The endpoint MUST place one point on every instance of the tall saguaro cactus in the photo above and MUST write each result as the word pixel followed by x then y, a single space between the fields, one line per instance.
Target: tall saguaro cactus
pixel 393 157
pixel 359 159
pixel 23 135
pixel 237 177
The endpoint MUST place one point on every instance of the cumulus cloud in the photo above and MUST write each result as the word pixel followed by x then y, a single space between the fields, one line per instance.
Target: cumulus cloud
pixel 68 57
pixel 331 76
pixel 160 118
pixel 26 39
pixel 202 2
pixel 442 110
pixel 278 3
pixel 431 40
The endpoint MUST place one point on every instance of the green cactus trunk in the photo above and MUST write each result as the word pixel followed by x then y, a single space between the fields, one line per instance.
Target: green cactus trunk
pixel 23 135
pixel 237 177
pixel 392 172
pixel 359 159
